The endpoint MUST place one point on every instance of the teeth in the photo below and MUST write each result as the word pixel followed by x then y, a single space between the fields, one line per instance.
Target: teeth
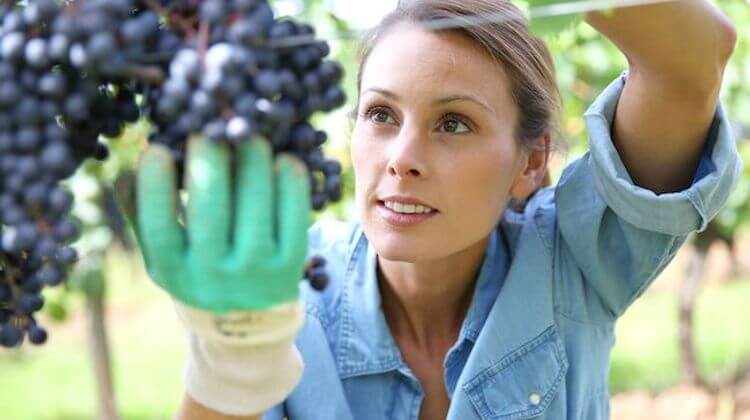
pixel 407 208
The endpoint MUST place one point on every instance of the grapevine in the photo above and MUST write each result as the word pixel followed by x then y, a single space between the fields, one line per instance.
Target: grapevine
pixel 72 74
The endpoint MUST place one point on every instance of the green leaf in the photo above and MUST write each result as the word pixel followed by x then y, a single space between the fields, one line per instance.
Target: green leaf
pixel 56 310
pixel 551 25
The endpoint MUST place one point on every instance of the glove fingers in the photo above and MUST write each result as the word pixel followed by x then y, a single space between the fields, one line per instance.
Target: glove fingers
pixel 294 209
pixel 161 237
pixel 254 230
pixel 209 203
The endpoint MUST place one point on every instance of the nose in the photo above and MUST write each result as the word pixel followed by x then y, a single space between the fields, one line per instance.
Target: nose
pixel 408 155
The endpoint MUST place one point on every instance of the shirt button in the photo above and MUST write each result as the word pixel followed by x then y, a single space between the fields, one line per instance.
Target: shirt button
pixel 535 398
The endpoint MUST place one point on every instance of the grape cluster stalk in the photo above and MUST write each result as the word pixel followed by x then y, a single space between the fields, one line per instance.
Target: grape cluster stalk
pixel 74 73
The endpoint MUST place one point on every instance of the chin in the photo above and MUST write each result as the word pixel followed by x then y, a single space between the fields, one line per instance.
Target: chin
pixel 395 246
pixel 398 254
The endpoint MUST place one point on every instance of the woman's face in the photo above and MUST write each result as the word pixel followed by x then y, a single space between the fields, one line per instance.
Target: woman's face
pixel 435 123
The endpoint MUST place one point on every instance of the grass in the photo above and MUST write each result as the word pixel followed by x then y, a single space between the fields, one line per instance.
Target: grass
pixel 646 354
pixel 56 381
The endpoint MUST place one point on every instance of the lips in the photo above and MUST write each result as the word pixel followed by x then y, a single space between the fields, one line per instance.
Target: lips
pixel 402 220
pixel 408 208
pixel 406 200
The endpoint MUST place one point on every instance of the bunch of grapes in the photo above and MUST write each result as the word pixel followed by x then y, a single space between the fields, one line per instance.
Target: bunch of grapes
pixel 72 74
pixel 234 80
pixel 52 114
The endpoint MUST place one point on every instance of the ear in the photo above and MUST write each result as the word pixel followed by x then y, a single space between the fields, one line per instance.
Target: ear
pixel 534 169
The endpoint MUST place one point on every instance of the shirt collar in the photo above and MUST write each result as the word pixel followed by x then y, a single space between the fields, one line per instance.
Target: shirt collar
pixel 366 345
pixel 487 286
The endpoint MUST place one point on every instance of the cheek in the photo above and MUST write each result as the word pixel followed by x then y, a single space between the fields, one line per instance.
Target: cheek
pixel 484 186
pixel 361 157
pixel 358 150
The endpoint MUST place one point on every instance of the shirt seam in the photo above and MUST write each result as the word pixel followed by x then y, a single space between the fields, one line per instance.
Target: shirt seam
pixel 316 312
pixel 676 242
pixel 608 323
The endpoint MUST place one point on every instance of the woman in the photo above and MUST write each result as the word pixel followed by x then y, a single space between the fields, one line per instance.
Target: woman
pixel 445 301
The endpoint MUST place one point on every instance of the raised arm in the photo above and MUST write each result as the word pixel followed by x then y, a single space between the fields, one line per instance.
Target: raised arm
pixel 677 52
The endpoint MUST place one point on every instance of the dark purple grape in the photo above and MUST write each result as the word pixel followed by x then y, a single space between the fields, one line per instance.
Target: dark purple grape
pixel 66 255
pixel 53 84
pixel 12 45
pixel 10 93
pixel 28 303
pixel 66 230
pixel 60 200
pixel 213 10
pixel 238 129
pixel 56 156
pixel 49 275
pixel 316 261
pixel 5 293
pixel 10 335
pixel 59 47
pixel 215 130
pixel 37 334
pixel 28 139
pixel 333 187
pixel 318 278
pixel 36 53
pixel 267 83
pixel 101 151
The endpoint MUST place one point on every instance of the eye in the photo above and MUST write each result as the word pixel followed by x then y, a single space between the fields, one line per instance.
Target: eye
pixel 379 115
pixel 454 125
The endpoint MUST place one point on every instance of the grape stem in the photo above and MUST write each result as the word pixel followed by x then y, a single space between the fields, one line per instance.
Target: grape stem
pixel 152 58
pixel 150 74
pixel 183 23
pixel 203 42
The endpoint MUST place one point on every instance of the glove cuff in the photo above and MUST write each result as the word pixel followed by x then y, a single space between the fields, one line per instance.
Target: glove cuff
pixel 245 362
pixel 243 328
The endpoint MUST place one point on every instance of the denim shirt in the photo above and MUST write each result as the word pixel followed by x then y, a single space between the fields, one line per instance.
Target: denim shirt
pixel 555 277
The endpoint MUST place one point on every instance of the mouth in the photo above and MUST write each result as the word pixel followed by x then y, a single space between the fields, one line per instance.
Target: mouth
pixel 398 214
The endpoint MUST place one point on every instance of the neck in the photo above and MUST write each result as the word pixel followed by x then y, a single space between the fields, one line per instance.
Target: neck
pixel 425 303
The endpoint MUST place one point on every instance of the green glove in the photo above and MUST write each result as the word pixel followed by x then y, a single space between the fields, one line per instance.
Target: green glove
pixel 244 243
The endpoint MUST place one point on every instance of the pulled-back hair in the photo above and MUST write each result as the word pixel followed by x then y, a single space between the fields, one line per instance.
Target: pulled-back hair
pixel 501 29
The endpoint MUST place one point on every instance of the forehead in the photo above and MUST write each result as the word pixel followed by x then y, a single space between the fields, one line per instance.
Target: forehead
pixel 408 59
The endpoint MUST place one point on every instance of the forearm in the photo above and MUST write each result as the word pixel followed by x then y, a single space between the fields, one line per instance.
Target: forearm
pixel 683 43
pixel 192 410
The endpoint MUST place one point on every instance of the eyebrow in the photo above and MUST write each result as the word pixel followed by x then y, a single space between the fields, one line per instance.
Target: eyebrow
pixel 440 101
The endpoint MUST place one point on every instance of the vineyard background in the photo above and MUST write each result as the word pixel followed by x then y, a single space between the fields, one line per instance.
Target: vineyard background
pixel 682 352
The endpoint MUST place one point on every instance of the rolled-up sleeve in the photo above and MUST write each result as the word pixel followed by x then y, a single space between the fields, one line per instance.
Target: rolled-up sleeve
pixel 622 235
pixel 676 213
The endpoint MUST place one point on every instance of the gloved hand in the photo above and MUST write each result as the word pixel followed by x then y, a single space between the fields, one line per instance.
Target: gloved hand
pixel 243 244
pixel 233 266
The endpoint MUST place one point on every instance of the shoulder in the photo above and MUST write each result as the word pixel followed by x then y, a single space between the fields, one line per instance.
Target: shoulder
pixel 535 221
